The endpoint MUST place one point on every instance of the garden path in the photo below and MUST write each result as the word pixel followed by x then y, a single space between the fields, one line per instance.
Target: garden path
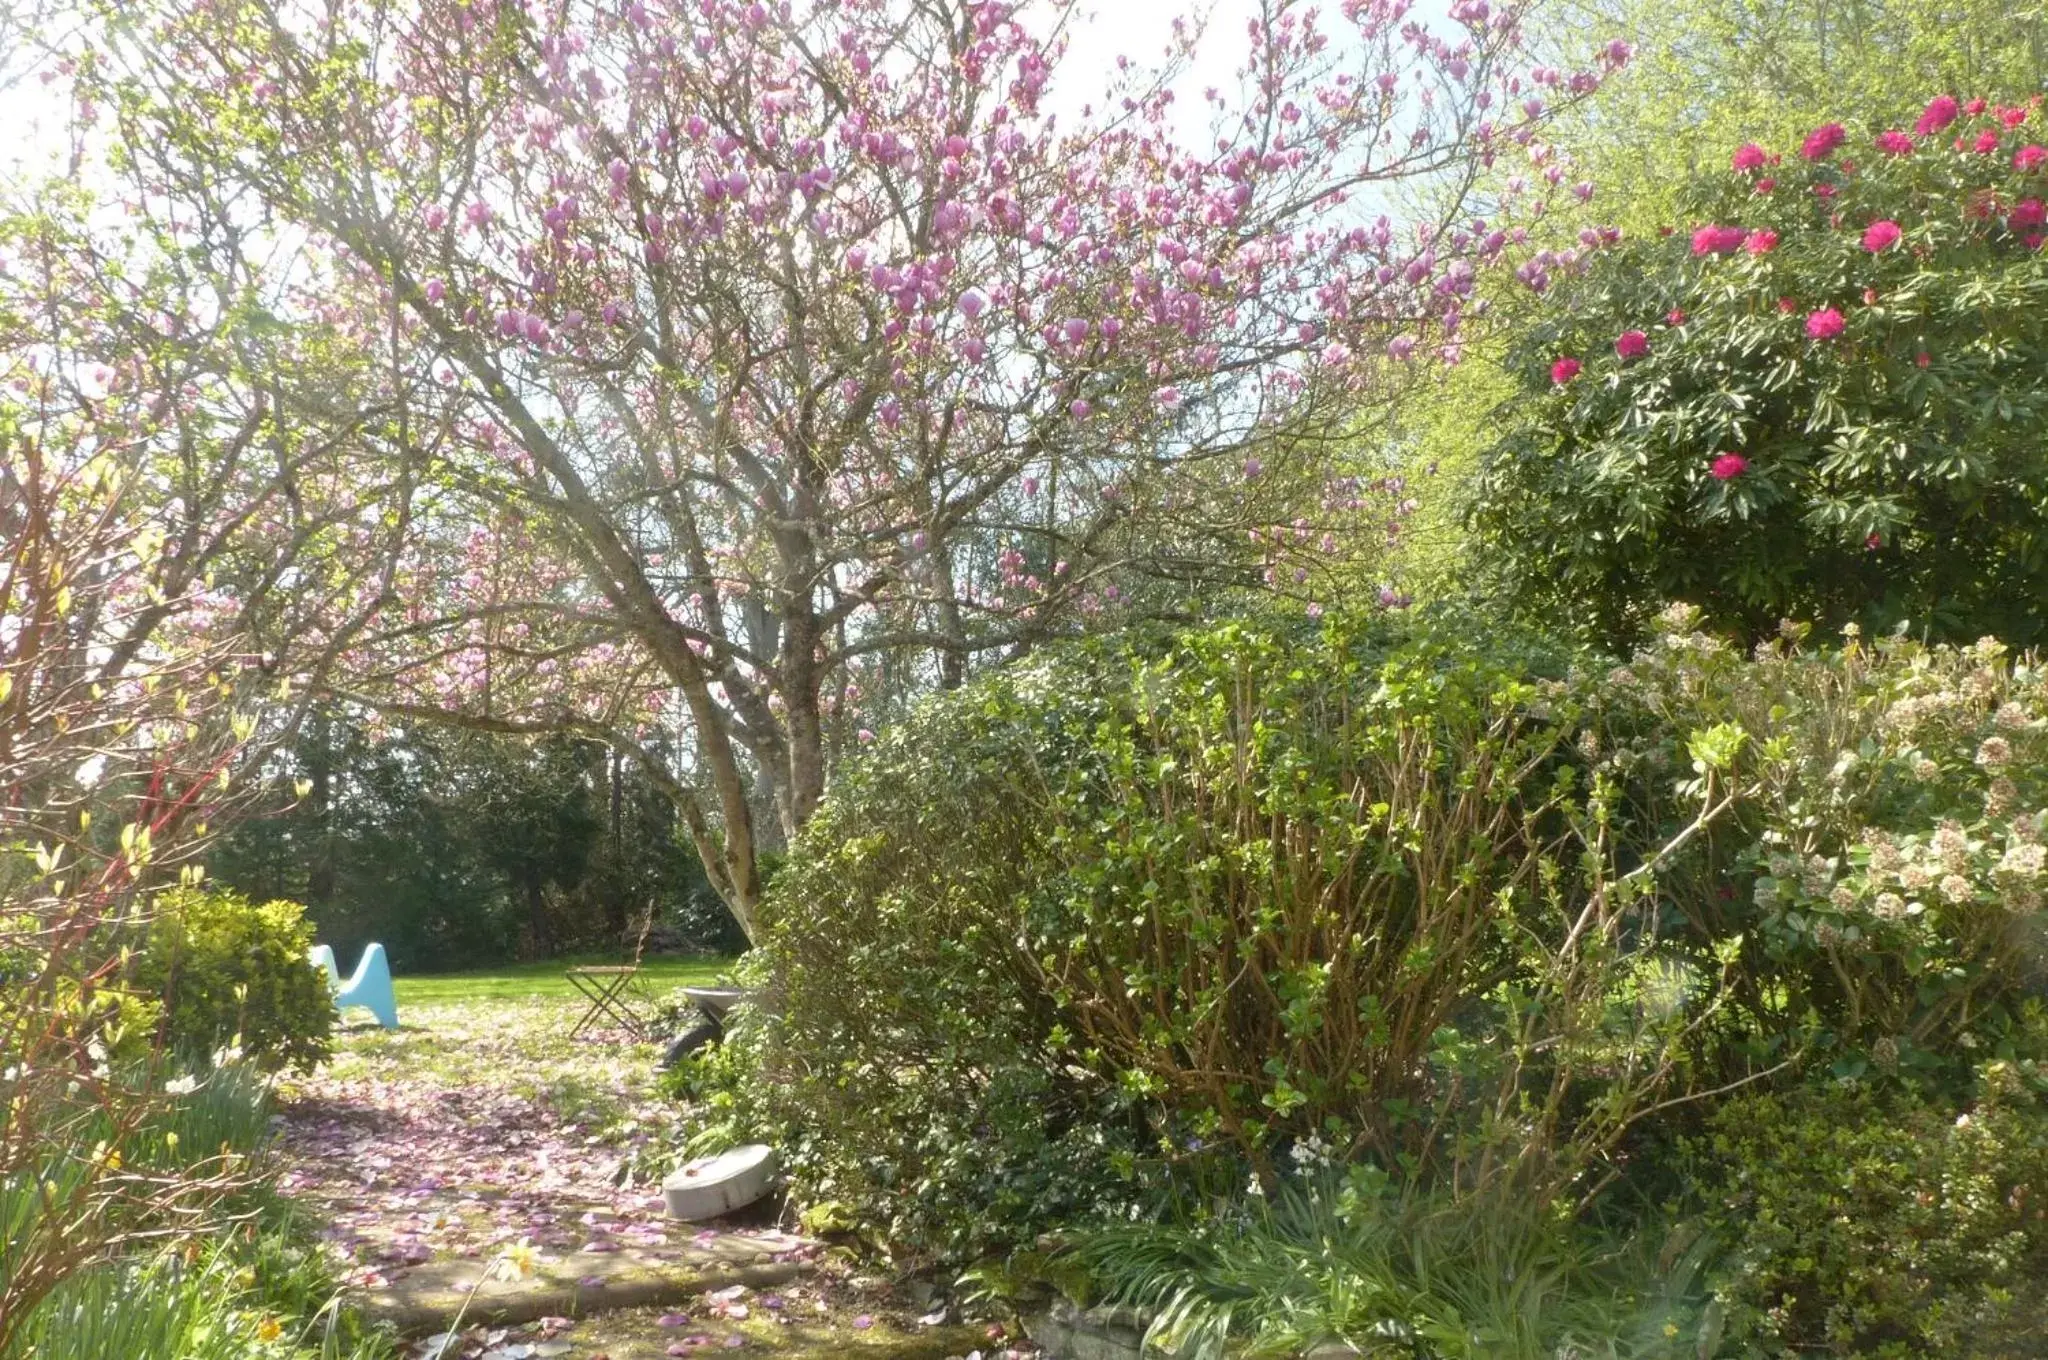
pixel 479 1163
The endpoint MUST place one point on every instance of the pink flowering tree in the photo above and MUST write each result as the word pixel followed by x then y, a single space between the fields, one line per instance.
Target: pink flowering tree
pixel 789 356
pixel 1818 397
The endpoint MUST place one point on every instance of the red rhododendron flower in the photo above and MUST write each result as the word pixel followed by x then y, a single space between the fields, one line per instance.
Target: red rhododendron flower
pixel 1564 370
pixel 1749 156
pixel 1939 114
pixel 1764 186
pixel 1728 466
pixel 2013 116
pixel 1716 240
pixel 1974 107
pixel 1824 190
pixel 2034 240
pixel 1823 140
pixel 1986 143
pixel 1786 304
pixel 1632 344
pixel 2028 212
pixel 1761 241
pixel 1874 542
pixel 1880 235
pixel 2029 158
pixel 1923 358
pixel 1675 316
pixel 1824 324
pixel 1895 143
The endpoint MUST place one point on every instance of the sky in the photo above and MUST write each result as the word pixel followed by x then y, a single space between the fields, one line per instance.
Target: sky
pixel 31 118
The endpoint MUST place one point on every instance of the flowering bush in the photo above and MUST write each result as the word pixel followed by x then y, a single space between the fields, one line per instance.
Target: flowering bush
pixel 1825 403
pixel 1881 890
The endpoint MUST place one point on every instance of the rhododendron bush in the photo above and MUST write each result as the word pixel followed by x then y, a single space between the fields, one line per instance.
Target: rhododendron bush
pixel 793 355
pixel 1819 396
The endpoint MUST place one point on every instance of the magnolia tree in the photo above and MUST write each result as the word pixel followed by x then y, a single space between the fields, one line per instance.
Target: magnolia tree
pixel 791 351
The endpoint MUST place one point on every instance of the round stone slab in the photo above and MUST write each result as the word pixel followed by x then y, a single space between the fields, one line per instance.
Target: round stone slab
pixel 712 1186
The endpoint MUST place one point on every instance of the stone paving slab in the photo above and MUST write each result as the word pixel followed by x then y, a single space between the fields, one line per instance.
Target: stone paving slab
pixel 428 1298
pixel 642 1336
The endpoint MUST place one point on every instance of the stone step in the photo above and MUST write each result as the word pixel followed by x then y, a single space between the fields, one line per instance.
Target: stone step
pixel 639 1335
pixel 429 1298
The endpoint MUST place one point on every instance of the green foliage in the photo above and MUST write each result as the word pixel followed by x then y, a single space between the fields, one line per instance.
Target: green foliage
pixel 1861 1224
pixel 231 971
pixel 1329 1258
pixel 1160 906
pixel 458 849
pixel 1708 70
pixel 1287 867
pixel 1892 472
pixel 908 1063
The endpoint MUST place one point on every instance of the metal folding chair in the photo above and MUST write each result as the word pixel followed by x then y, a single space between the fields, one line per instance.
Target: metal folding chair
pixel 606 986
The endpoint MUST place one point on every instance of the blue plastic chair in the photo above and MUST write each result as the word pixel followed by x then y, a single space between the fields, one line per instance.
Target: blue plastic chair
pixel 370 987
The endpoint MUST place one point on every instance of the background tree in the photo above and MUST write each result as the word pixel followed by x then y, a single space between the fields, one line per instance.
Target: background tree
pixel 455 848
pixel 784 345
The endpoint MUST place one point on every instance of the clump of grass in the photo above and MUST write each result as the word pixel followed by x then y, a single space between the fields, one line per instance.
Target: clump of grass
pixel 1430 1277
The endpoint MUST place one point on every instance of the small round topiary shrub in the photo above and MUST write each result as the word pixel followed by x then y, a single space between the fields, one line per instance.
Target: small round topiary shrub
pixel 228 967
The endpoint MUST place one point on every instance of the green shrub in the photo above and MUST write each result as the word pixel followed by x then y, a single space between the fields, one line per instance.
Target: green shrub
pixel 229 967
pixel 1760 470
pixel 1154 904
pixel 1880 1225
pixel 914 1075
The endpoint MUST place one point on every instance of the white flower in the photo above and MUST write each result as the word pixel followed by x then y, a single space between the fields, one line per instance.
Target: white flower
pixel 1957 889
pixel 181 1086
pixel 2027 860
pixel 88 774
pixel 1994 752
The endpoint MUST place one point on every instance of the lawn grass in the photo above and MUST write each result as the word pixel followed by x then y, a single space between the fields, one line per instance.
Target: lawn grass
pixel 517 981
